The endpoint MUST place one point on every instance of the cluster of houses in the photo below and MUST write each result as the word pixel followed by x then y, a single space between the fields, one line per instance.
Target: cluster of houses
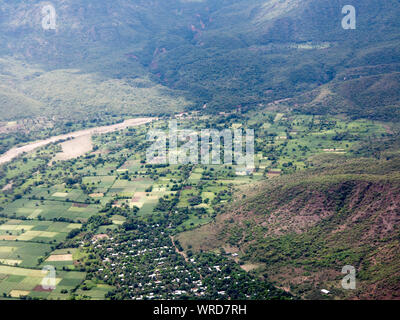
pixel 146 268
pixel 144 264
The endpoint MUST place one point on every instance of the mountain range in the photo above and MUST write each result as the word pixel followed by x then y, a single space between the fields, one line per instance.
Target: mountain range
pixel 185 54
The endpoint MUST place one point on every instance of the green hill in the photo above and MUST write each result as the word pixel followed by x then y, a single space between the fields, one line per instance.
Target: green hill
pixel 300 230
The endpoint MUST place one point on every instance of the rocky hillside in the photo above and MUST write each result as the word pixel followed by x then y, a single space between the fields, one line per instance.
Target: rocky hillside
pixel 300 230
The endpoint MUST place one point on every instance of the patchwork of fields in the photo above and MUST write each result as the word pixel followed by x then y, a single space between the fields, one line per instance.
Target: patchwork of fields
pixel 47 212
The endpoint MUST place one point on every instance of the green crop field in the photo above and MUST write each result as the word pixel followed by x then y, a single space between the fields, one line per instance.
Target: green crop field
pixel 22 253
pixel 49 210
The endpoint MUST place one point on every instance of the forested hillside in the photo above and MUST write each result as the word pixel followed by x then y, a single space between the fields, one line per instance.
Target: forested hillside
pixel 215 52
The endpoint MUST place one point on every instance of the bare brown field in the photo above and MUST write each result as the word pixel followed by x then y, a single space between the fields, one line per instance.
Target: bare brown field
pixel 203 238
pixel 100 236
pixel 60 257
pixel 96 195
pixel 7 237
pixel 273 174
pixel 75 148
pixel 39 288
pixel 7 187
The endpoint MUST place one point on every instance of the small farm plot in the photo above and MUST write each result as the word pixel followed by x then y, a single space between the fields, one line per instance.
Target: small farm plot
pixel 123 188
pixel 132 166
pixel 196 175
pixel 95 291
pixel 148 207
pixel 34 209
pixel 108 168
pixel 69 195
pixel 68 281
pixel 58 193
pixel 22 166
pixel 146 201
pixel 188 197
pixel 126 188
pixel 22 253
pixel 278 117
pixel 107 228
pixel 77 212
pixel 61 258
pixel 34 230
pixel 47 193
pixel 208 195
pixel 117 219
pixel 236 181
pixel 98 184
pixel 195 221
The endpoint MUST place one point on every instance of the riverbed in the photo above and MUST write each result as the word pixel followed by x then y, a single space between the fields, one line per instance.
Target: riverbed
pixel 16 151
